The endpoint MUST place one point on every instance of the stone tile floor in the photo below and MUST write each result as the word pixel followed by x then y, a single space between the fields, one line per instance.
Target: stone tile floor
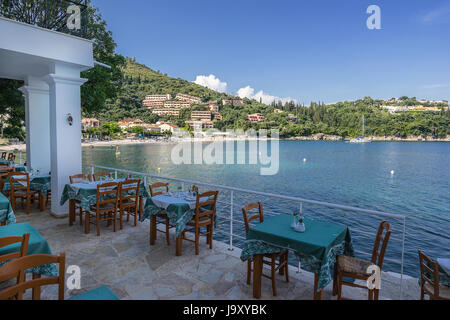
pixel 127 264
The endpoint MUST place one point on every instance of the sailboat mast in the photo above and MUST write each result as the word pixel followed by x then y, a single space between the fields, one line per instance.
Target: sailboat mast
pixel 364 127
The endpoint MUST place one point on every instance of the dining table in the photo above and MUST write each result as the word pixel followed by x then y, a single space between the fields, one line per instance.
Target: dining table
pixel 316 248
pixel 86 193
pixel 38 182
pixel 37 245
pixel 6 211
pixel 180 209
pixel 444 271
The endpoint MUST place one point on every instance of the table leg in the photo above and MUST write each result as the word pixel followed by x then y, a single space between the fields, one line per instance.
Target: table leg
pixel 42 202
pixel 317 295
pixel 179 245
pixel 152 229
pixel 257 274
pixel 71 212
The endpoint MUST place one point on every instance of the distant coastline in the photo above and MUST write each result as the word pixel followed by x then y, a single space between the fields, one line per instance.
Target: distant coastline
pixel 316 137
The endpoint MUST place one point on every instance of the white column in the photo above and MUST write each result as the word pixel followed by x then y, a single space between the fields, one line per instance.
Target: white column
pixel 65 139
pixel 37 122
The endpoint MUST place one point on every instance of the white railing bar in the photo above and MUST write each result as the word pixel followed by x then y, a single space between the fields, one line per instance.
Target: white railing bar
pixel 314 202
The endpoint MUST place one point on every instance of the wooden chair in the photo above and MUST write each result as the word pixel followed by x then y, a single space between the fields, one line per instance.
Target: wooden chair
pixel 20 188
pixel 129 200
pixel 105 208
pixel 6 241
pixel 161 218
pixel 4 175
pixel 355 268
pixel 75 179
pixel 269 259
pixel 4 154
pixel 98 176
pixel 429 280
pixel 17 268
pixel 11 157
pixel 205 211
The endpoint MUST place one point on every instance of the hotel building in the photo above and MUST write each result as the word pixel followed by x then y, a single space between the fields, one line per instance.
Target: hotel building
pixel 256 117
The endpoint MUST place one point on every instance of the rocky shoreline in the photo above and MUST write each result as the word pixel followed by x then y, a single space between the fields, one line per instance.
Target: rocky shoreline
pixel 325 137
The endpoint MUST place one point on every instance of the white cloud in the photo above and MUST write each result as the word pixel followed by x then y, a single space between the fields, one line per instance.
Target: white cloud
pixel 249 92
pixel 441 14
pixel 211 82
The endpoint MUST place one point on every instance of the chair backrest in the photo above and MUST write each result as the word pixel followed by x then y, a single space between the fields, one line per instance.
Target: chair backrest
pixel 3 177
pixel 19 181
pixel 158 185
pixel 129 190
pixel 4 154
pixel 381 242
pixel 16 269
pixel 6 241
pixel 205 206
pixel 107 193
pixel 6 169
pixel 429 273
pixel 11 157
pixel 97 176
pixel 247 218
pixel 79 178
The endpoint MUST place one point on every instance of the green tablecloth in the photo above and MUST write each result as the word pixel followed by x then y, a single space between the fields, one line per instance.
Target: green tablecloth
pixel 86 193
pixel 316 248
pixel 179 214
pixel 98 294
pixel 6 211
pixel 36 245
pixel 38 183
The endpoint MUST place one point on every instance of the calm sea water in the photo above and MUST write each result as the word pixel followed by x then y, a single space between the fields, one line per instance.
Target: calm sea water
pixel 336 172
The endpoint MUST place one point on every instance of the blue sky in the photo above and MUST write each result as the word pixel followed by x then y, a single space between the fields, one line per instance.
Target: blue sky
pixel 305 50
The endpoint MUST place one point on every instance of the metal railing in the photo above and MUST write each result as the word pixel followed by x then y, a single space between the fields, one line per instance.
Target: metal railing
pixel 48 14
pixel 231 203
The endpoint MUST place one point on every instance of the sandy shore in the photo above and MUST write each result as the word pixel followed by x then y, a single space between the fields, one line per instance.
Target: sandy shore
pixel 22 147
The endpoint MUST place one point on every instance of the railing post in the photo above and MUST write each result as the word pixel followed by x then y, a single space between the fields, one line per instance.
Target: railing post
pixel 115 174
pixel 182 186
pixel 231 222
pixel 92 171
pixel 403 257
pixel 20 157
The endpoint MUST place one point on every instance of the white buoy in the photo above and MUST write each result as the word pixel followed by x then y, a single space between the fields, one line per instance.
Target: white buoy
pixel 392 172
pixel 305 160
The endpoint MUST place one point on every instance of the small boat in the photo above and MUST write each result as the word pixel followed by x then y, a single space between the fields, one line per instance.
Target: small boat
pixel 361 139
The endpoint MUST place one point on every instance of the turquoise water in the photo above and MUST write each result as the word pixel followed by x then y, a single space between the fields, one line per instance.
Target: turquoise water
pixel 336 172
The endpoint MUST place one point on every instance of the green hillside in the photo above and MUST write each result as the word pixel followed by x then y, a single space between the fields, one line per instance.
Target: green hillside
pixel 139 81
pixel 341 119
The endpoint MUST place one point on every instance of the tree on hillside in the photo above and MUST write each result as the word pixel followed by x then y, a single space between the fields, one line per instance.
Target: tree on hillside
pixel 51 15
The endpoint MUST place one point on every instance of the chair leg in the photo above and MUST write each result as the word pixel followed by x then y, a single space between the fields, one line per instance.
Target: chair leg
pixel 98 224
pixel 370 295
pixel 422 294
pixel 249 271
pixel 339 286
pixel 81 216
pixel 167 231
pixel 87 223
pixel 335 275
pixel 273 273
pixel 376 294
pixel 135 216
pixel 210 236
pixel 197 240
pixel 287 267
pixel 28 204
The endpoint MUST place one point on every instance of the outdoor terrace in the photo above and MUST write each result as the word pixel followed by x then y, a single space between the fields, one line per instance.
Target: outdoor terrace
pixel 127 264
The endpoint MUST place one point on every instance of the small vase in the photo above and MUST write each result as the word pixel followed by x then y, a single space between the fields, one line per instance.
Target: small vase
pixel 294 222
